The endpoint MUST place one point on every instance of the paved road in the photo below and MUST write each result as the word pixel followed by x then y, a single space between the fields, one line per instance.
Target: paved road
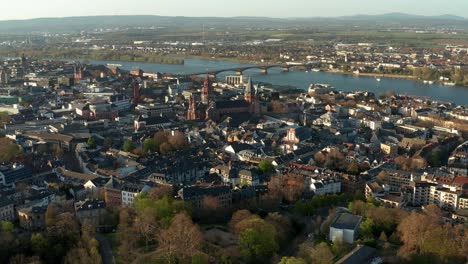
pixel 105 249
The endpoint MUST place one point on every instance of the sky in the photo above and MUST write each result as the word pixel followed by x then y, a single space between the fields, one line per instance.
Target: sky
pixel 25 9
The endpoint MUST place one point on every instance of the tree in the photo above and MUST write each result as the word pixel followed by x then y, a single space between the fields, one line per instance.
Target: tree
pixel 200 259
pixel 265 166
pixel 237 217
pixel 435 159
pixel 125 233
pixel 128 146
pixel 382 177
pixel 165 148
pixel 149 145
pixel 321 254
pixel 161 191
pixel 178 140
pixel 335 160
pixel 4 118
pixel 80 254
pixel 319 159
pixel 51 214
pixel 65 228
pixel 282 226
pixel 353 168
pixel 367 227
pixel 39 244
pixel 91 142
pixel 357 207
pixel 7 226
pixel 181 240
pixel 292 260
pixel 8 150
pixel 146 225
pixel 258 244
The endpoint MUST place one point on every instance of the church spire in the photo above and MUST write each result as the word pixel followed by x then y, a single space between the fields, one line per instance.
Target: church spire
pixel 206 91
pixel 249 93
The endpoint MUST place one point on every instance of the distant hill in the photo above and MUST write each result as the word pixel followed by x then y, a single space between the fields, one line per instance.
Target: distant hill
pixel 396 16
pixel 76 24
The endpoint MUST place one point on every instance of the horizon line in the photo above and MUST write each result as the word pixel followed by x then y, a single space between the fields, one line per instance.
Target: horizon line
pixel 264 17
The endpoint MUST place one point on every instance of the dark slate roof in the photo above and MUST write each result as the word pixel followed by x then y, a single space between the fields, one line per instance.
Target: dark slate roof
pixel 232 104
pixel 100 181
pixel 132 187
pixel 360 255
pixel 5 202
pixel 153 120
pixel 113 184
pixel 195 191
pixel 91 205
pixel 303 133
pixel 346 221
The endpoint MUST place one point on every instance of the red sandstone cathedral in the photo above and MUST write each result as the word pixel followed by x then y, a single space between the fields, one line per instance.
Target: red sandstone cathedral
pixel 215 110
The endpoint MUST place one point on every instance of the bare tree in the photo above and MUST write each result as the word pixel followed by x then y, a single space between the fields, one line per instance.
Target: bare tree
pixel 181 240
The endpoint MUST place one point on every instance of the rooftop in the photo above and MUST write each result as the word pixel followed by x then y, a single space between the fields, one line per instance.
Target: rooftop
pixel 346 221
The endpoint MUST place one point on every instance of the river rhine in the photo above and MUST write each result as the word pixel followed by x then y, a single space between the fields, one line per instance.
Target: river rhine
pixel 301 79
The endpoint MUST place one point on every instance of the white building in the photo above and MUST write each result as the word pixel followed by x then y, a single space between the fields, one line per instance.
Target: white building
pixel 345 227
pixel 130 191
pixel 325 186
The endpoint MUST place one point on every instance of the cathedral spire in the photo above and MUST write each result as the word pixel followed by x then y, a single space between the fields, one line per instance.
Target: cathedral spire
pixel 249 93
pixel 206 91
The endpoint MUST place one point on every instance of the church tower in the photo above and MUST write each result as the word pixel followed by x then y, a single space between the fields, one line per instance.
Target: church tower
pixel 136 92
pixel 78 75
pixel 205 98
pixel 252 97
pixel 191 113
pixel 249 93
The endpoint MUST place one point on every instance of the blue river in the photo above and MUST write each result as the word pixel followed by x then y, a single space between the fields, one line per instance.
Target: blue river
pixel 302 80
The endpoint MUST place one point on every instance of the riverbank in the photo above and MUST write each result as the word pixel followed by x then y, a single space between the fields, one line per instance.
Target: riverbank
pixel 377 75
pixel 234 60
pixel 81 55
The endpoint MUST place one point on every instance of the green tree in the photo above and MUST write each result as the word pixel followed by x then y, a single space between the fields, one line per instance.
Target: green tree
pixel 258 243
pixel 39 244
pixel 435 159
pixel 265 166
pixel 128 146
pixel 199 259
pixel 292 260
pixel 367 227
pixel 7 226
pixel 91 142
pixel 149 145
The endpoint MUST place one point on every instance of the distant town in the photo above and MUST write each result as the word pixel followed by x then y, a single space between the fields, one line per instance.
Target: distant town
pixel 100 164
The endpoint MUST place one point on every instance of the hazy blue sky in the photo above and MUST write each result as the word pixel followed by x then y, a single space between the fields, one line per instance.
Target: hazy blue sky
pixel 21 9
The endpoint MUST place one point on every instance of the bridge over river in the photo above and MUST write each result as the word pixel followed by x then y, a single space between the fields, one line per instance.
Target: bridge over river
pixel 264 68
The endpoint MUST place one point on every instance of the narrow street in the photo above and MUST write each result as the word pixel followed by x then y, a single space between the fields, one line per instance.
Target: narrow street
pixel 300 238
pixel 105 249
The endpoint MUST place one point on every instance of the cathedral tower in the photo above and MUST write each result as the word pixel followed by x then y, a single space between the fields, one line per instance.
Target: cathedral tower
pixel 205 98
pixel 250 92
